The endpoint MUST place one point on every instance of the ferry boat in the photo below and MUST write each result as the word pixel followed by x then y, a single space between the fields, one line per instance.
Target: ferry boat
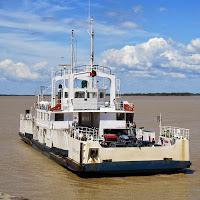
pixel 89 129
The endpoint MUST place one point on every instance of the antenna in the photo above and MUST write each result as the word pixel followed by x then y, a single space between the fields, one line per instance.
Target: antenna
pixel 76 53
pixel 91 32
pixel 89 9
pixel 72 51
pixel 91 43
pixel 159 119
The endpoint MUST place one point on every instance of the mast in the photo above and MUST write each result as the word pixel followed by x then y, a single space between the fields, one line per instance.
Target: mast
pixel 160 123
pixel 91 32
pixel 72 51
pixel 91 43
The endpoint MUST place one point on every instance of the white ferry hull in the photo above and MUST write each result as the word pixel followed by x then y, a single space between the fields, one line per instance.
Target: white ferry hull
pixel 109 168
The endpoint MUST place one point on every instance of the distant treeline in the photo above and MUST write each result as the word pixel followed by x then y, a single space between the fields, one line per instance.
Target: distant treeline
pixel 133 94
pixel 16 95
pixel 162 94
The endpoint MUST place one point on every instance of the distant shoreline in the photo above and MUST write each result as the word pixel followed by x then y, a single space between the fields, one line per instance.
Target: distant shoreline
pixel 130 94
pixel 162 94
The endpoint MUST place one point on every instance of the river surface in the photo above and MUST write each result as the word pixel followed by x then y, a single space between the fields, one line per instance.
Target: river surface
pixel 28 173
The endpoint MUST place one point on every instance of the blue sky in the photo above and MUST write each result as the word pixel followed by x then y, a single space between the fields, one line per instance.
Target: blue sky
pixel 153 46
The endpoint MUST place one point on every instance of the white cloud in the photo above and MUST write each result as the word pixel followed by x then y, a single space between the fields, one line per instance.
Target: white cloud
pixel 18 70
pixel 112 13
pixel 138 57
pixel 162 9
pixel 174 74
pixel 29 21
pixel 137 9
pixel 32 34
pixel 49 7
pixel 194 46
pixel 157 56
pixel 105 29
pixel 40 65
pixel 30 47
pixel 143 74
pixel 179 59
pixel 129 25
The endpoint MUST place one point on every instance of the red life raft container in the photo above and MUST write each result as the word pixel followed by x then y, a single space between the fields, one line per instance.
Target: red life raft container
pixel 128 107
pixel 110 137
pixel 57 107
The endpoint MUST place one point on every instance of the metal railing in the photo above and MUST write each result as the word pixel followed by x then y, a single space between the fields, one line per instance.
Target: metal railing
pixel 119 106
pixel 91 105
pixel 43 107
pixel 83 68
pixel 26 116
pixel 103 104
pixel 85 105
pixel 174 132
pixel 125 107
pixel 85 133
pixel 106 70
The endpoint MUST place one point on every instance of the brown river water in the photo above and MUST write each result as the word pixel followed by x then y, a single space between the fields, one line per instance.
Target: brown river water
pixel 26 172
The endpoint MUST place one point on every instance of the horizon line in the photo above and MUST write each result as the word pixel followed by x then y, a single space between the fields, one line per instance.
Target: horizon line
pixel 130 94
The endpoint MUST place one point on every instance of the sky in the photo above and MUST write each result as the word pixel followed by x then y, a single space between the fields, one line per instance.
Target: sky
pixel 152 46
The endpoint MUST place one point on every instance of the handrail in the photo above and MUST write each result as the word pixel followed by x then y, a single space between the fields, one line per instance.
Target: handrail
pixel 83 68
pixel 124 106
pixel 99 104
pixel 85 133
pixel 174 132
pixel 26 116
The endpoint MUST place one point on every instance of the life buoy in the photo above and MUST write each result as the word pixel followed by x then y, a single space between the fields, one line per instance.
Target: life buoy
pixel 57 107
pixel 128 107
pixel 93 73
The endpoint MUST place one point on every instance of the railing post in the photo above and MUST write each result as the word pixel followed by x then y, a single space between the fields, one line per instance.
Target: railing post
pixel 81 154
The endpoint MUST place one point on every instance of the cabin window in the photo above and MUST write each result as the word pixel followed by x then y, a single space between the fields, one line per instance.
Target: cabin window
pixel 59 117
pixel 79 94
pixel 129 117
pixel 84 84
pixel 102 95
pixel 120 116
pixel 91 95
pixel 66 94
